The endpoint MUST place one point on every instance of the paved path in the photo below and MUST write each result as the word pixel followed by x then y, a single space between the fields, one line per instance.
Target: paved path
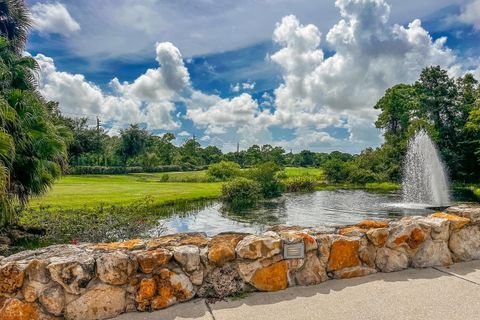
pixel 434 293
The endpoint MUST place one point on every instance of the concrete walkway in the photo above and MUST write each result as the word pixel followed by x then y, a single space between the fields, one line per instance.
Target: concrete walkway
pixel 433 293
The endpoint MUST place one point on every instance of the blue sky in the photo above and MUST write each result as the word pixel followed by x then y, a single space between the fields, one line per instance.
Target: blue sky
pixel 299 74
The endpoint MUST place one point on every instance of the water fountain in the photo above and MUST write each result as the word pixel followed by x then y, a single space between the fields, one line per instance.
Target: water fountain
pixel 425 181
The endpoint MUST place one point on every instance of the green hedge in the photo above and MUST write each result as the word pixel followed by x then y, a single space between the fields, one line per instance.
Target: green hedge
pixel 79 170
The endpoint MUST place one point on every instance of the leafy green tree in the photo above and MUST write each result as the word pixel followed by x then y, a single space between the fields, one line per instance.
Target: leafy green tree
pixel 224 170
pixel 133 142
pixel 265 174
pixel 15 22
pixel 32 145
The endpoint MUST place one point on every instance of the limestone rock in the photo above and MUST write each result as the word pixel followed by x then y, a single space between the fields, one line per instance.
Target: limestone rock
pixel 248 268
pixel 367 254
pixel 198 239
pixel 14 309
pixel 134 244
pixel 31 290
pixel 324 242
pixel 256 246
pixel 150 260
pixel 53 300
pixel 37 271
pixel 73 273
pixel 407 235
pixel 163 290
pixel 221 248
pixel 115 267
pixel 100 301
pixel 432 253
pixel 440 228
pixel 388 260
pixel 344 253
pixel 188 257
pixel 271 278
pixel 470 211
pixel 456 222
pixel 11 277
pixel 352 231
pixel 313 271
pixel 372 224
pixel 465 243
pixel 353 272
pixel 197 277
pixel 378 236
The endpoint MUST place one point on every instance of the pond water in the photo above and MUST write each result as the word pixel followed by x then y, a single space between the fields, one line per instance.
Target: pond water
pixel 338 207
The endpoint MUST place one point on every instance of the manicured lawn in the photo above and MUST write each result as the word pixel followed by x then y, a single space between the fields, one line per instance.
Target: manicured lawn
pixel 296 172
pixel 72 192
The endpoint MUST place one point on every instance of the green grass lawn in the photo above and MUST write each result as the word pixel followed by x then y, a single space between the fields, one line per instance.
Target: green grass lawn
pixel 72 192
pixel 297 172
pixel 78 191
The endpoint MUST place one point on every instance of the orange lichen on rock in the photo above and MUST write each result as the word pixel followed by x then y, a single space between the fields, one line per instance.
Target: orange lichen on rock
pixel 128 245
pixel 149 260
pixel 180 239
pixel 378 236
pixel 11 277
pixel 221 249
pixel 163 290
pixel 352 231
pixel 456 222
pixel 344 254
pixel 413 240
pixel 14 309
pixel 353 272
pixel 271 278
pixel 372 224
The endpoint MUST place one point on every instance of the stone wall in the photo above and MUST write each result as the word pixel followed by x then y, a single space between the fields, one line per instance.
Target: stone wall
pixel 98 281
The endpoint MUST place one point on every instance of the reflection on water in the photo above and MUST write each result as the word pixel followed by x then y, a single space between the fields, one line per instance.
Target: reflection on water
pixel 337 207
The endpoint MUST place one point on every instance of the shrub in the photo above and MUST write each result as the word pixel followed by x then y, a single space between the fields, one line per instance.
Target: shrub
pixel 300 184
pixel 241 192
pixel 224 170
pixel 265 175
pixel 123 170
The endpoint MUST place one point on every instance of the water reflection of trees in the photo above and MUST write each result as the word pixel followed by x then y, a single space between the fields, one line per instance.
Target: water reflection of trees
pixel 265 213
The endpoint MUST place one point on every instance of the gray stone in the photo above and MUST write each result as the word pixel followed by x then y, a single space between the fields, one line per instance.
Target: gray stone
pixel 115 267
pixel 53 300
pixel 72 273
pixel 259 246
pixel 432 253
pixel 313 271
pixel 100 301
pixel 388 260
pixel 188 257
pixel 465 243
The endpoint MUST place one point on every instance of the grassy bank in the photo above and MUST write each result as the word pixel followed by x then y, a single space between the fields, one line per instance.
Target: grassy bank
pixel 374 186
pixel 80 191
pixel 74 192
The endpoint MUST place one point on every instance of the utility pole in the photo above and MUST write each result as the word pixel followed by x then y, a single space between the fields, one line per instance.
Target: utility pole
pixel 98 138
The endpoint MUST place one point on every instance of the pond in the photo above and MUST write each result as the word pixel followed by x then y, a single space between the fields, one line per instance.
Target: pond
pixel 338 207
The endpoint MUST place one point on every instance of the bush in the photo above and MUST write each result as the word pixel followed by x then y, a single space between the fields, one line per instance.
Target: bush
pixel 265 175
pixel 241 192
pixel 300 184
pixel 224 170
pixel 79 170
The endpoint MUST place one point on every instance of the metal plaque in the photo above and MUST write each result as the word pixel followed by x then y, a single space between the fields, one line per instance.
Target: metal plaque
pixel 294 250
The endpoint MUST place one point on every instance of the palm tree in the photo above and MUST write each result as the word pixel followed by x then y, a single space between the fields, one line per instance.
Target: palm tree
pixel 15 22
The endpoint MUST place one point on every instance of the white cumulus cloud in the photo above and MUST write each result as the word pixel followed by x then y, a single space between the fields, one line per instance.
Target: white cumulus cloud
pixel 370 55
pixel 53 18
pixel 471 14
